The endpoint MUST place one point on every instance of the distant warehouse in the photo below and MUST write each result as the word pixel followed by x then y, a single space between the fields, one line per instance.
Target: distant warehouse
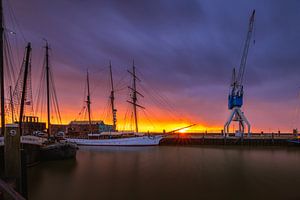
pixel 82 128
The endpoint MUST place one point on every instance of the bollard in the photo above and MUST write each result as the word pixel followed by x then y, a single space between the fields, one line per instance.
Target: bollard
pixel 14 169
pixel 12 156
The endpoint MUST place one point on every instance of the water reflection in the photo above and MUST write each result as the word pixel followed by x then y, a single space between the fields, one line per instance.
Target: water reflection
pixel 169 173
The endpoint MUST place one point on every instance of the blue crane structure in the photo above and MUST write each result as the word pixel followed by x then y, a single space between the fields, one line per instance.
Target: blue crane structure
pixel 235 97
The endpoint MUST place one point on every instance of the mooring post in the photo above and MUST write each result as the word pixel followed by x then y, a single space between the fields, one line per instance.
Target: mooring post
pixel 12 156
pixel 23 182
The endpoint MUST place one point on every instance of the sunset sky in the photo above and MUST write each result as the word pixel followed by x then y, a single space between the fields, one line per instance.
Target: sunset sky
pixel 184 52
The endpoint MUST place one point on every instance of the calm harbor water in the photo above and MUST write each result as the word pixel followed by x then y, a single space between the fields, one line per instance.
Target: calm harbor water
pixel 169 172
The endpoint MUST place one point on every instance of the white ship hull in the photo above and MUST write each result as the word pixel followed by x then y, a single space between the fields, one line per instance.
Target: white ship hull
pixel 129 141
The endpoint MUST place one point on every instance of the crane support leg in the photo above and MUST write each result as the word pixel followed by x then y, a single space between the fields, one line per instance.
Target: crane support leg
pixel 238 115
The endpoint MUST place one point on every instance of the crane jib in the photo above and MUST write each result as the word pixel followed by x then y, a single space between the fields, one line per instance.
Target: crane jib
pixel 235 98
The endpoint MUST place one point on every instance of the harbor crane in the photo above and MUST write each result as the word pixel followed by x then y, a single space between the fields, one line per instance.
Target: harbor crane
pixel 235 97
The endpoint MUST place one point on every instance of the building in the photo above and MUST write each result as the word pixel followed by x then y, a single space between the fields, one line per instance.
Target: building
pixel 82 128
pixel 56 128
pixel 31 124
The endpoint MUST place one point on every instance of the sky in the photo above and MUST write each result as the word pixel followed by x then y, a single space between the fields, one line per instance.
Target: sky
pixel 184 52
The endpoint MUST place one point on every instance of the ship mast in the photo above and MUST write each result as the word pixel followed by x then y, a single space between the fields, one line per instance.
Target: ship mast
pixel 134 97
pixel 2 72
pixel 88 101
pixel 48 90
pixel 11 104
pixel 23 96
pixel 112 100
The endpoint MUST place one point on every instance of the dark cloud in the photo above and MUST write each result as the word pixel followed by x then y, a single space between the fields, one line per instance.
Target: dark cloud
pixel 183 47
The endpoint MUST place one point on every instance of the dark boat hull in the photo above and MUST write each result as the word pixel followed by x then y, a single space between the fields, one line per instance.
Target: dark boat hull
pixel 59 151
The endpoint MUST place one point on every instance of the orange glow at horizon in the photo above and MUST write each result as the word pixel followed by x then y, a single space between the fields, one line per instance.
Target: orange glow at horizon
pixel 159 124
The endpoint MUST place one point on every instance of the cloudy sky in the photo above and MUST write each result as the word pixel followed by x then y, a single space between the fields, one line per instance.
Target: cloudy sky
pixel 184 52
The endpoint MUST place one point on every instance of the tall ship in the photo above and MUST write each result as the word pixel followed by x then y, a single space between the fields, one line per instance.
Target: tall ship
pixel 114 137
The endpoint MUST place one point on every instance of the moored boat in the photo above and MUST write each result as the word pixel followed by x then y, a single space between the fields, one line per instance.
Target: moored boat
pixel 117 138
pixel 59 151
pixel 145 140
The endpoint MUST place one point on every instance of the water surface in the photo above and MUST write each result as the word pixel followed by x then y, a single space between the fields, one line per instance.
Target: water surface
pixel 169 172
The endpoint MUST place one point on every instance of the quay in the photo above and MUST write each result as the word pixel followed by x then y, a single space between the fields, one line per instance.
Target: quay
pixel 266 139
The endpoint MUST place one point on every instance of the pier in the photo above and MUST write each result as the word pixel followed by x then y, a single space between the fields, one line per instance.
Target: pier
pixel 266 139
pixel 8 192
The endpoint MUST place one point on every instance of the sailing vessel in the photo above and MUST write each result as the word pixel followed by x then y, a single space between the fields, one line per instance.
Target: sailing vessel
pixel 54 150
pixel 116 138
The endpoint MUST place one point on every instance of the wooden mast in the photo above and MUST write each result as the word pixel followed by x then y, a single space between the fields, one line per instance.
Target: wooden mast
pixel 2 72
pixel 134 97
pixel 48 90
pixel 88 101
pixel 11 105
pixel 112 100
pixel 27 62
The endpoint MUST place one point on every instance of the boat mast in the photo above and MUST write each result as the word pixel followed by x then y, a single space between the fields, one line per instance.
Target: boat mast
pixel 134 97
pixel 112 100
pixel 2 72
pixel 11 104
pixel 48 90
pixel 88 100
pixel 27 62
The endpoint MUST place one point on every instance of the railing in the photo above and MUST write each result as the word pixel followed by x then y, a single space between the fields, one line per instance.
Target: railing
pixel 7 190
pixel 28 139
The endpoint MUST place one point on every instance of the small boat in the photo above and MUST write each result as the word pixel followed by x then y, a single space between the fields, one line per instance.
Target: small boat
pixel 116 138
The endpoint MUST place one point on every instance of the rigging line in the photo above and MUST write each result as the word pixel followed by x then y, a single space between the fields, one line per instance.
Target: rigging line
pixel 55 94
pixel 148 118
pixel 296 114
pixel 159 104
pixel 153 115
pixel 99 69
pixel 53 109
pixel 15 38
pixel 17 51
pixel 11 10
pixel 40 96
pixel 155 90
pixel 121 89
pixel 17 89
pixel 102 115
pixel 80 113
pixel 170 108
pixel 121 81
pixel 99 83
pixel 41 89
pixel 125 117
pixel 8 59
pixel 29 88
pixel 83 107
pixel 106 114
pixel 131 121
pixel 105 86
